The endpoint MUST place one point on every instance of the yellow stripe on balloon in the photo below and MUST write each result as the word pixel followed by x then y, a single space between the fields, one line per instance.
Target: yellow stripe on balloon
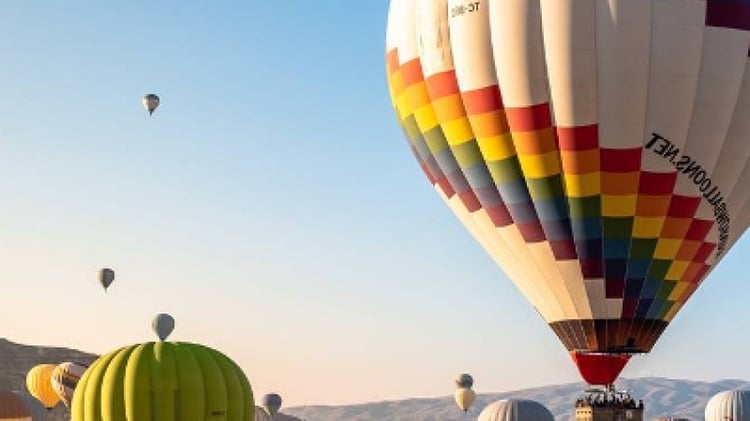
pixel 582 185
pixel 647 226
pixel 618 205
pixel 540 166
pixel 666 249
pixel 497 148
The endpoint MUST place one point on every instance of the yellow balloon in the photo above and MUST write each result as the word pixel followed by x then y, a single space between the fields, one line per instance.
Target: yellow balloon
pixel 465 397
pixel 39 383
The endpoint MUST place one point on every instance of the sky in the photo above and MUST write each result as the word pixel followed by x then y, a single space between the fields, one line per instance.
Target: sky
pixel 270 204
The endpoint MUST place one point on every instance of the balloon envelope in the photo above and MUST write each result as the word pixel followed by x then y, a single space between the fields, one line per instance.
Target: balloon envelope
pixel 465 380
pixel 598 151
pixel 163 325
pixel 64 379
pixel 262 415
pixel 13 407
pixel 729 405
pixel 161 380
pixel 150 102
pixel 464 397
pixel 515 409
pixel 38 411
pixel 272 403
pixel 39 384
pixel 106 277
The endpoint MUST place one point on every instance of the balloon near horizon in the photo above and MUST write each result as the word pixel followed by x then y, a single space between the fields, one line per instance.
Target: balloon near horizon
pixel 515 409
pixel 464 394
pixel 730 405
pixel 272 403
pixel 39 385
pixel 598 151
pixel 163 381
pixel 64 379
pixel 13 407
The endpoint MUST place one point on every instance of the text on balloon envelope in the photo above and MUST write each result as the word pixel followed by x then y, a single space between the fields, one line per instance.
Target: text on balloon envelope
pixel 700 177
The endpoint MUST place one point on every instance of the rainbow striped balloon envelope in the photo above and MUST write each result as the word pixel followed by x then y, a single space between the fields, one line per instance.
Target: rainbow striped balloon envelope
pixel 597 149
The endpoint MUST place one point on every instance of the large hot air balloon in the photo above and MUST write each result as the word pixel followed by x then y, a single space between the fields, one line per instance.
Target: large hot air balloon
pixel 163 381
pixel 39 384
pixel 64 379
pixel 597 150
pixel 13 407
pixel 106 277
pixel 150 102
pixel 163 325
pixel 272 404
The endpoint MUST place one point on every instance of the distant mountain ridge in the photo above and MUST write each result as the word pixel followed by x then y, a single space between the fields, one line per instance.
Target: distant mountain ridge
pixel 662 397
pixel 17 359
pixel 684 398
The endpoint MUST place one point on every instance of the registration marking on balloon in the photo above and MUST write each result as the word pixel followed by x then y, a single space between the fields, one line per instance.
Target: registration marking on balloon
pixel 460 9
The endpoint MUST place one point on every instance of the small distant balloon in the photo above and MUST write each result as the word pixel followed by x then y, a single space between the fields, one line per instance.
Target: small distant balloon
pixel 150 102
pixel 465 380
pixel 272 403
pixel 163 325
pixel 464 395
pixel 106 277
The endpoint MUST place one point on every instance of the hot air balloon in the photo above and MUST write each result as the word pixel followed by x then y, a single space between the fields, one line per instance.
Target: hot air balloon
pixel 465 380
pixel 516 409
pixel 262 415
pixel 106 277
pixel 163 324
pixel 13 407
pixel 272 404
pixel 39 384
pixel 163 381
pixel 150 102
pixel 37 410
pixel 464 395
pixel 597 150
pixel 64 379
pixel 731 405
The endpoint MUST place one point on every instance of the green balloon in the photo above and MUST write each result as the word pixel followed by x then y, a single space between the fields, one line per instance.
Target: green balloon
pixel 164 381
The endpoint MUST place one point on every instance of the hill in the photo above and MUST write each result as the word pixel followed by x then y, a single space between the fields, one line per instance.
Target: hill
pixel 661 396
pixel 16 360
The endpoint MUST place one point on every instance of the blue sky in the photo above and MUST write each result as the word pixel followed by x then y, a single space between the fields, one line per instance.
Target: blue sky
pixel 270 205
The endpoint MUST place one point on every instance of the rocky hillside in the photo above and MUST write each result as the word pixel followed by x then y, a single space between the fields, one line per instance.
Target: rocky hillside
pixel 661 397
pixel 17 359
